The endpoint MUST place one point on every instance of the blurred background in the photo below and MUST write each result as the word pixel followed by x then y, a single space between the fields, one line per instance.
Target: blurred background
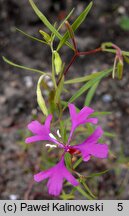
pixel 107 21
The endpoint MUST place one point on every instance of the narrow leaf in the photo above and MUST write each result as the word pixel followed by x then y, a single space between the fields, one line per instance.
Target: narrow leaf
pixel 68 160
pixel 109 134
pixel 125 53
pixel 30 36
pixel 22 67
pixel 88 190
pixel 84 78
pixel 100 114
pixel 40 98
pixel 58 91
pixel 77 163
pixel 97 174
pixel 46 22
pixel 126 59
pixel 63 131
pixel 90 94
pixel 81 191
pixel 87 86
pixel 75 25
pixel 68 16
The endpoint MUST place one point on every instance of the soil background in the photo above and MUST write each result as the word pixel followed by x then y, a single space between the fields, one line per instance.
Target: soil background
pixel 18 105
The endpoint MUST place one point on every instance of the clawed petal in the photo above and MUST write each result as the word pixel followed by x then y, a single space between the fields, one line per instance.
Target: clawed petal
pixel 91 146
pixel 99 150
pixel 93 138
pixel 42 175
pixel 35 138
pixel 42 132
pixel 56 175
pixel 80 118
pixel 55 186
pixel 70 178
pixel 35 127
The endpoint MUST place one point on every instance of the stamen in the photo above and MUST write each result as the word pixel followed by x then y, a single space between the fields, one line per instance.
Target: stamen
pixel 52 136
pixel 51 146
pixel 58 133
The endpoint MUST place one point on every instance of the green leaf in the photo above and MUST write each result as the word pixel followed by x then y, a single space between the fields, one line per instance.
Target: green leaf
pixel 40 98
pixel 57 62
pixel 124 23
pixel 22 67
pixel 81 191
pixel 45 36
pixel 77 163
pixel 88 189
pixel 46 22
pixel 109 134
pixel 90 94
pixel 86 86
pixel 84 78
pixel 65 196
pixel 30 36
pixel 75 25
pixel 100 114
pixel 63 131
pixel 97 174
pixel 125 53
pixel 126 59
pixel 68 160
pixel 58 91
pixel 68 16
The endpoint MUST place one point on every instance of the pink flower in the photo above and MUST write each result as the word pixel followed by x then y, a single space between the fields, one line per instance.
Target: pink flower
pixel 91 146
pixel 56 175
pixel 41 132
pixel 79 118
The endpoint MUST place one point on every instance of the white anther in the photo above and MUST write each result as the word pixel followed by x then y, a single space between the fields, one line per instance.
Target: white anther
pixel 52 136
pixel 58 133
pixel 51 146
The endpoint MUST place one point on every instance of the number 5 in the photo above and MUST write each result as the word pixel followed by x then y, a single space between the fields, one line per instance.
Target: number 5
pixel 120 206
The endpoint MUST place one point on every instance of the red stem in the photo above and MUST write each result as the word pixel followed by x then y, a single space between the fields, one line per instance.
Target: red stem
pixel 90 52
pixel 76 54
pixel 71 62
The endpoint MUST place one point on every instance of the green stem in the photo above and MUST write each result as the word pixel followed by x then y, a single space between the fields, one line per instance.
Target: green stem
pixel 114 51
pixel 53 71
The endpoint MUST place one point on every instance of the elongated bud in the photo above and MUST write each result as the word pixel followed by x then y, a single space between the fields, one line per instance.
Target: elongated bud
pixel 120 70
pixel 40 99
pixel 45 36
pixel 57 62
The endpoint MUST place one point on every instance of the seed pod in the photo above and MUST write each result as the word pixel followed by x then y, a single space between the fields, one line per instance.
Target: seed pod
pixel 57 62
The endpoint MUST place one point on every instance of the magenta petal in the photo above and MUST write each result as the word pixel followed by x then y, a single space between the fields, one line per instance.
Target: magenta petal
pixel 93 138
pixel 80 118
pixel 42 175
pixel 91 147
pixel 41 132
pixel 85 112
pixel 92 120
pixel 70 178
pixel 72 111
pixel 35 127
pixel 56 175
pixel 99 150
pixel 48 121
pixel 55 185
pixel 86 158
pixel 34 139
